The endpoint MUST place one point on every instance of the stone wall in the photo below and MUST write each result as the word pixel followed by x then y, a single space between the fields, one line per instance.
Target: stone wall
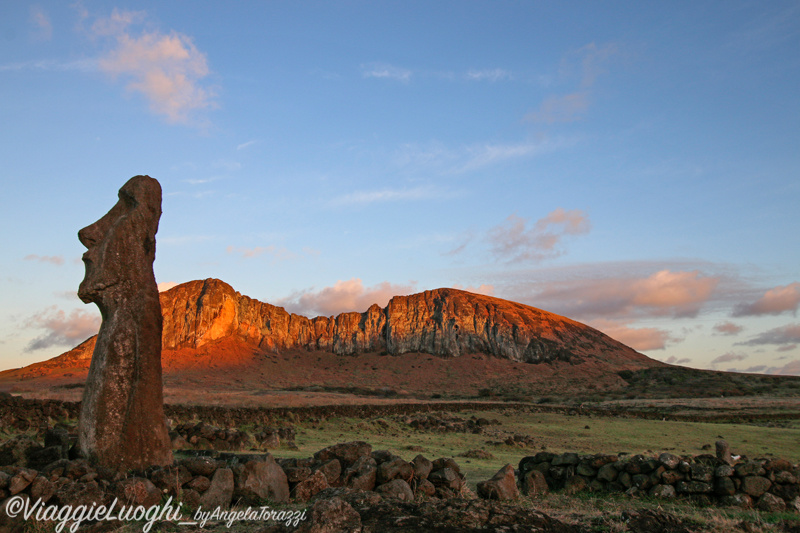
pixel 766 484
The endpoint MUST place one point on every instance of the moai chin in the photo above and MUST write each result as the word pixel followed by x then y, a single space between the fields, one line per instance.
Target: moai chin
pixel 122 424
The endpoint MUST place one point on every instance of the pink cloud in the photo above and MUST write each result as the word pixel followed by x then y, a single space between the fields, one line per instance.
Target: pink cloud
pixel 344 296
pixel 728 328
pixel 166 285
pixel 665 292
pixel 165 68
pixel 515 241
pixel 641 339
pixel 62 329
pixel 773 302
pixel 487 290
pixel 52 259
pixel 44 28
pixel 789 369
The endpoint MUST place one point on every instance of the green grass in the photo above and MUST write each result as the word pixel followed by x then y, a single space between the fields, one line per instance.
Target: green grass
pixel 552 432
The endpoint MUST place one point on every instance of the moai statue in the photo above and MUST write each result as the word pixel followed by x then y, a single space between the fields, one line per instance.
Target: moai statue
pixel 122 424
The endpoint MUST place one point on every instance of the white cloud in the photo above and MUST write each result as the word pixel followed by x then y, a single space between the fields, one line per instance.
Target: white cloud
pixel 344 296
pixel 166 68
pixel 245 145
pixel 61 329
pixel 386 71
pixel 390 195
pixel 492 75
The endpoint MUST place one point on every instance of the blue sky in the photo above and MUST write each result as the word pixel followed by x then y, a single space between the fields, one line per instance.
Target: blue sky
pixel 632 165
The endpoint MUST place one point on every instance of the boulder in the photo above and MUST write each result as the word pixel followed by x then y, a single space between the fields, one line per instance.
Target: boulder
pixel 332 470
pixel 422 467
pixel 332 515
pixel 137 491
pixel 534 483
pixel 347 453
pixel 755 486
pixel 362 474
pixel 316 482
pixel 220 491
pixel 397 489
pixel 502 486
pixel 770 503
pixel 396 468
pixel 260 480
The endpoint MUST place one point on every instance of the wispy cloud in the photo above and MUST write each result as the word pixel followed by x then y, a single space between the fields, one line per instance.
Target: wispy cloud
pixel 390 195
pixel 386 71
pixel 672 360
pixel 61 329
pixel 589 62
pixel 57 260
pixel 43 26
pixel 166 68
pixel 774 302
pixel 344 296
pixel 277 253
pixel 515 241
pixel 82 65
pixel 789 334
pixel 492 75
pixel 728 328
pixel 483 288
pixel 246 145
pixel 728 358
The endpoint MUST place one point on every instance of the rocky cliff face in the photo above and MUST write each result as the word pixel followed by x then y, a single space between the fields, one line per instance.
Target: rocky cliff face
pixel 444 322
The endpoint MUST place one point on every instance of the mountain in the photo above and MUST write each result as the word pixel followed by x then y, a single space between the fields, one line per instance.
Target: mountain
pixel 216 334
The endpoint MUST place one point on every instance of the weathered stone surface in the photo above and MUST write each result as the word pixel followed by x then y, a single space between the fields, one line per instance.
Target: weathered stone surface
pixel 670 460
pixel 332 470
pixel 21 480
pixel 347 453
pixel 701 472
pixel 307 488
pixel 362 474
pixel 137 491
pixel 397 468
pixel 665 492
pixel 199 483
pixel 724 486
pixel 446 478
pixel 15 450
pixel 737 500
pixel 694 487
pixel 534 483
pixel 122 424
pixel 332 515
pixel 397 489
pixel 502 486
pixel 220 492
pixel 770 503
pixel 755 486
pixel 257 480
pixel 426 487
pixel 200 466
pixel 723 450
pixel 422 467
pixel 607 472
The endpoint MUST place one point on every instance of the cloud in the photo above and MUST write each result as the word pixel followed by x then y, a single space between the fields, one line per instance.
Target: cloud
pixel 728 328
pixel 774 302
pixel 483 288
pixel 672 360
pixel 789 334
pixel 641 339
pixel 278 254
pixel 590 62
pixel 166 68
pixel 344 296
pixel 383 70
pixel 789 369
pixel 166 285
pixel 44 28
pixel 82 65
pixel 680 294
pixel 565 108
pixel 786 348
pixel 514 241
pixel 62 329
pixel 52 259
pixel 727 358
pixel 492 75
pixel 245 145
pixel 390 195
